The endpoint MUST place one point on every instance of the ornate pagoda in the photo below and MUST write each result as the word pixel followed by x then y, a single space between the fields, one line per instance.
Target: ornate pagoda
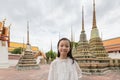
pixel 82 50
pixel 96 44
pixel 27 60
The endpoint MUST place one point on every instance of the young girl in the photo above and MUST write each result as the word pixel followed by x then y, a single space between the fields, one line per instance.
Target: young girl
pixel 64 67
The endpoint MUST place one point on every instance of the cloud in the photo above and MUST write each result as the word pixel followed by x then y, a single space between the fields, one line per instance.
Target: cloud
pixel 48 18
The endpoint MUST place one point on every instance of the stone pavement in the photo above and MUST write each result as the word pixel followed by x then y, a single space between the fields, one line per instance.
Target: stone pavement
pixel 42 74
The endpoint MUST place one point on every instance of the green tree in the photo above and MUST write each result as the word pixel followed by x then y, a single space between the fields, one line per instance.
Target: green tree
pixel 17 50
pixel 51 55
pixel 74 43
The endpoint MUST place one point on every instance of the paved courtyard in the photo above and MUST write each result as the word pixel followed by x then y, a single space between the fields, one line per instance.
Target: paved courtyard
pixel 42 74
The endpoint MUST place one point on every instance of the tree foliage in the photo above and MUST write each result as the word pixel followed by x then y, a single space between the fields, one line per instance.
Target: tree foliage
pixel 17 51
pixel 51 55
pixel 74 43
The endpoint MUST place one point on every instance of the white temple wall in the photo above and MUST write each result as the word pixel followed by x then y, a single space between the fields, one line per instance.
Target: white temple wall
pixel 3 55
pixel 114 55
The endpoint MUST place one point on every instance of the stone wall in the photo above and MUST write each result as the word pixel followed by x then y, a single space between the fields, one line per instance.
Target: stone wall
pixel 14 56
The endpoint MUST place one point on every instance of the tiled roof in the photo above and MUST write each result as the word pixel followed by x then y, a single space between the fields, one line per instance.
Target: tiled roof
pixel 16 45
pixel 113 41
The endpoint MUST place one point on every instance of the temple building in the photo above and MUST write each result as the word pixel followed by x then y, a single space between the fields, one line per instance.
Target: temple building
pixel 14 45
pixel 112 45
pixel 4 32
pixel 4 40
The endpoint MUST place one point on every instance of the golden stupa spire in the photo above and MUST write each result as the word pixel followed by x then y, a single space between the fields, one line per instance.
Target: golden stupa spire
pixel 94 16
pixel 28 32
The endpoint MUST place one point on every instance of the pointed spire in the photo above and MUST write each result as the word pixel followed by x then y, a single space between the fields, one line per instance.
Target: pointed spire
pixel 4 22
pixel 23 44
pixel 74 36
pixel 28 32
pixel 51 46
pixel 59 35
pixel 3 31
pixel 94 32
pixel 9 35
pixel 83 19
pixel 71 35
pixel 101 36
pixel 28 47
pixel 9 26
pixel 94 16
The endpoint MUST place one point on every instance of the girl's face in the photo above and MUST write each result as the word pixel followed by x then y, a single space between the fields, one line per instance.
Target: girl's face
pixel 64 47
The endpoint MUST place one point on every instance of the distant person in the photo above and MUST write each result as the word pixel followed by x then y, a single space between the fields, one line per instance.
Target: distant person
pixel 64 67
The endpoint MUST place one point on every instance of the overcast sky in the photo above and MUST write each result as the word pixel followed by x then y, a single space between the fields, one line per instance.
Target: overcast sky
pixel 48 18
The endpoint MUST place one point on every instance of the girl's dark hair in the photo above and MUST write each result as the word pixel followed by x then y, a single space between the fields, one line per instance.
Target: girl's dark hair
pixel 69 53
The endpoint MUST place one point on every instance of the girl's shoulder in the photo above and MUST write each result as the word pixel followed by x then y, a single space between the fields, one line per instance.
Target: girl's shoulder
pixel 54 61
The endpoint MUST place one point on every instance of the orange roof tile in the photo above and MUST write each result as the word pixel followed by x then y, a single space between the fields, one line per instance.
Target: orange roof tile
pixel 112 41
pixel 0 25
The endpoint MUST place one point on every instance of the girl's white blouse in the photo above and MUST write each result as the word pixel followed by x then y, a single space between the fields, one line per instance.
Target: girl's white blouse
pixel 64 69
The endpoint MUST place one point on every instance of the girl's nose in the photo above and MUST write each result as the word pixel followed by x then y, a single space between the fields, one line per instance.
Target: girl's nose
pixel 64 47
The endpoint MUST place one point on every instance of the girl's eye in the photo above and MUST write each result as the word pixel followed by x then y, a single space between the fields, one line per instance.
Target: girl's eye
pixel 66 46
pixel 61 45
